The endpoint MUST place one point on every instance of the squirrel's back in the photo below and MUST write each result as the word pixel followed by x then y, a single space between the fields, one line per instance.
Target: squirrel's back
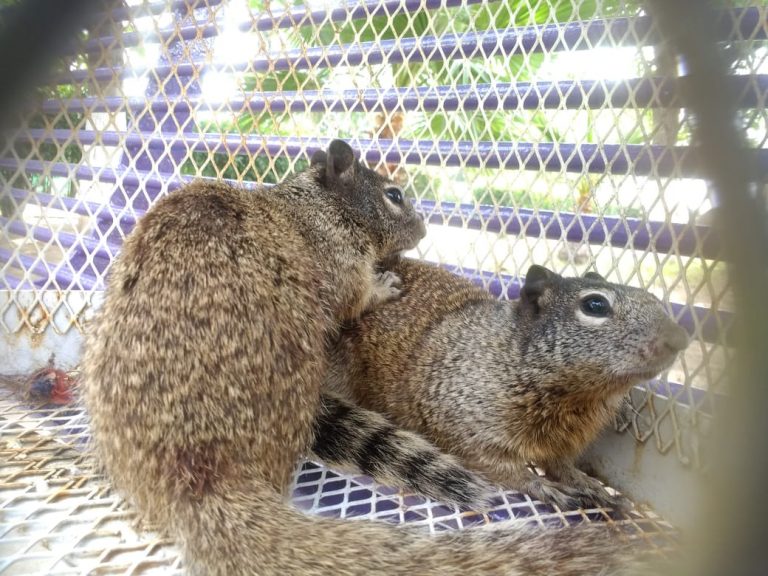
pixel 201 257
pixel 388 343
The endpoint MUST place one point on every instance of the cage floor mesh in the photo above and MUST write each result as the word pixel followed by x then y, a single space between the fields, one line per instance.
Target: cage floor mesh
pixel 58 516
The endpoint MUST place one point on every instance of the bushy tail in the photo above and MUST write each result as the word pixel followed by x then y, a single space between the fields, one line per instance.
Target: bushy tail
pixel 349 437
pixel 247 529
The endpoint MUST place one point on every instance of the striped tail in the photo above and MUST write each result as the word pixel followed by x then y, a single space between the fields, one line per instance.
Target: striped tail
pixel 349 437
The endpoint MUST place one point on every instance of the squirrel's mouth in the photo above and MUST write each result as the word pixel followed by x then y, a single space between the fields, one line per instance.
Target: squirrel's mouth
pixel 650 369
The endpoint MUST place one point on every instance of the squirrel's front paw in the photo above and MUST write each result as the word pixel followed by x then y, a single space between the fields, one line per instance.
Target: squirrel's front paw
pixel 386 286
pixel 590 493
pixel 623 417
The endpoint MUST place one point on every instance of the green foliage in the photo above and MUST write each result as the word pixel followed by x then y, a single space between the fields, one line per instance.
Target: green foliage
pixel 286 80
pixel 71 152
pixel 522 13
pixel 251 169
pixel 474 126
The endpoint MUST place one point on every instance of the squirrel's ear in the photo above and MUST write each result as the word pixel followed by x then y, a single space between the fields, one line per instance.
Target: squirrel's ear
pixel 537 274
pixel 594 276
pixel 318 157
pixel 537 279
pixel 339 160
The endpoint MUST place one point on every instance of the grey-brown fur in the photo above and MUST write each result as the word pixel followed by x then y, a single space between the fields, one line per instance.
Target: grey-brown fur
pixel 503 384
pixel 203 370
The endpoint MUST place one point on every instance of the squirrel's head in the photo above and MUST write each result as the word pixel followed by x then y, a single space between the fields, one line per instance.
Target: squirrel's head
pixel 600 332
pixel 374 202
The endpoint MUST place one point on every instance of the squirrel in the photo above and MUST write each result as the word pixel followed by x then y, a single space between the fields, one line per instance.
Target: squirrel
pixel 503 384
pixel 203 369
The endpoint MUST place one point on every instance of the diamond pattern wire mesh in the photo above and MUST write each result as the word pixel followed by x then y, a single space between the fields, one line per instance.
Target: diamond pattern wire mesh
pixel 58 516
pixel 528 131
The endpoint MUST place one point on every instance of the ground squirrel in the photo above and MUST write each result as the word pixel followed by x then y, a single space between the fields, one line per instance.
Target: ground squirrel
pixel 203 372
pixel 501 384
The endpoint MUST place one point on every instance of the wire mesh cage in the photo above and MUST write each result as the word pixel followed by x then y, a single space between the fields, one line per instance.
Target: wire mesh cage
pixel 61 517
pixel 528 131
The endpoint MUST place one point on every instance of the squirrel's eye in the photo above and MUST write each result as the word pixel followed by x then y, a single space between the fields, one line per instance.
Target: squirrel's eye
pixel 395 195
pixel 596 305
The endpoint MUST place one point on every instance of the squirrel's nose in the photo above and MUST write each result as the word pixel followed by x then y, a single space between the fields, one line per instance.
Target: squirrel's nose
pixel 675 338
pixel 422 225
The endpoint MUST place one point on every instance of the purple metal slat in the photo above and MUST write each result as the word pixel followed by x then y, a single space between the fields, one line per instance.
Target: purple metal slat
pixel 498 284
pixel 78 206
pixel 502 43
pixel 12 281
pixel 709 321
pixel 21 263
pixel 426 48
pixel 101 250
pixel 751 91
pixel 123 177
pixel 61 276
pixel 703 400
pixel 65 239
pixel 637 234
pixel 293 18
pixel 86 277
pixel 631 233
pixel 679 161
